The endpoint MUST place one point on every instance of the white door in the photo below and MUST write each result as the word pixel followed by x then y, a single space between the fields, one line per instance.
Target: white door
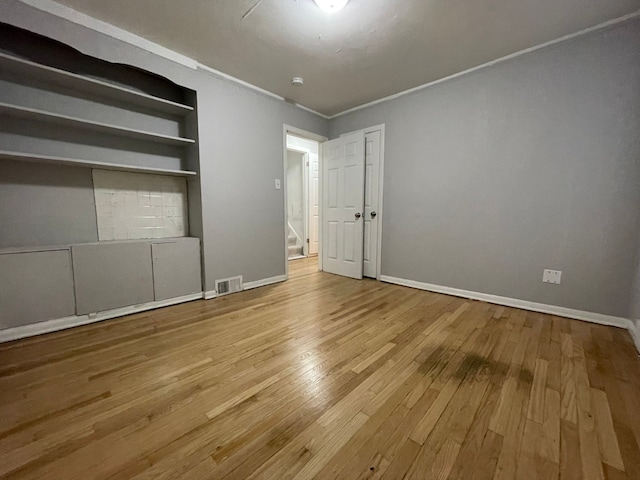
pixel 371 207
pixel 314 207
pixel 343 205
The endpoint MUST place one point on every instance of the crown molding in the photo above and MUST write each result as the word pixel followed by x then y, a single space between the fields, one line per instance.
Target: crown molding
pixel 506 58
pixel 92 23
pixel 67 13
pixel 218 73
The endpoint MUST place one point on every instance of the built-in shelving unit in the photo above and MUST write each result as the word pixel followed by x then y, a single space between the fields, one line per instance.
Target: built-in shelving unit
pixel 67 121
pixel 72 162
pixel 15 66
pixel 64 117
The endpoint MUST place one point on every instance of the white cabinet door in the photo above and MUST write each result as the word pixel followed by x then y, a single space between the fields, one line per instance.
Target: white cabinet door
pixel 371 203
pixel 343 205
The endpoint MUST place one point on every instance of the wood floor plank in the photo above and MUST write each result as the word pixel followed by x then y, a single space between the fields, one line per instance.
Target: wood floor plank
pixel 536 402
pixel 607 440
pixel 568 408
pixel 589 449
pixel 403 461
pixel 323 377
pixel 570 461
pixel 371 359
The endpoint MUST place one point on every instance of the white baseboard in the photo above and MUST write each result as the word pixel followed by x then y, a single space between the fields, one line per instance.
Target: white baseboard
pixel 635 333
pixel 264 282
pixel 209 294
pixel 48 326
pixel 523 304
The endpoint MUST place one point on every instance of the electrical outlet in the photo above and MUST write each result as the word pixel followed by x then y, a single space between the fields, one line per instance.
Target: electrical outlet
pixel 277 184
pixel 552 276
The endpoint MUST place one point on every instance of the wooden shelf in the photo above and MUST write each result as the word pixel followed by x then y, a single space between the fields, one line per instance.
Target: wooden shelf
pixel 65 120
pixel 32 157
pixel 73 81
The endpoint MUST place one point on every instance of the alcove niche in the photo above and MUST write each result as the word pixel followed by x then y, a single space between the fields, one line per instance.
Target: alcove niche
pixel 98 181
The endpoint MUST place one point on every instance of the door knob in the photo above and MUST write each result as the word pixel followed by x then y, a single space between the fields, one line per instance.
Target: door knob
pixel 373 214
pixel 358 216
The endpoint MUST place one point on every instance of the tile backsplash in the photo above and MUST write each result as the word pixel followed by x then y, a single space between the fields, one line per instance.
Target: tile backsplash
pixel 138 205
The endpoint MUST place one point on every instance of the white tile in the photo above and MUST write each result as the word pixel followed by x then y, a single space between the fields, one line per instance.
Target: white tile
pixel 118 198
pixel 131 197
pixel 103 197
pixel 144 198
pixel 120 232
pixel 147 222
pixel 155 199
pixel 105 234
pixel 172 211
pixel 131 205
pixel 106 222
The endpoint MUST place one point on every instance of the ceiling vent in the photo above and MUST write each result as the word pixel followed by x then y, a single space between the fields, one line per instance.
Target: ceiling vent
pixel 229 285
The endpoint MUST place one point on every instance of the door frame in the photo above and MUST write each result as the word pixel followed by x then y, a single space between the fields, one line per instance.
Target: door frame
pixel 305 194
pixel 298 132
pixel 377 128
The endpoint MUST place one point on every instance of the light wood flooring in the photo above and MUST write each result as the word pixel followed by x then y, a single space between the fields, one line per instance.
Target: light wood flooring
pixel 323 377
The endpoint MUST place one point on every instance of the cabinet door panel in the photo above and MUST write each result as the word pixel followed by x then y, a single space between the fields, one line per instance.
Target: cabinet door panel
pixel 109 276
pixel 34 287
pixel 176 268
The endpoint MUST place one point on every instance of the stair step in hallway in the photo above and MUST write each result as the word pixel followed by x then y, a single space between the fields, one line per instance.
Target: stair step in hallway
pixel 293 244
pixel 295 251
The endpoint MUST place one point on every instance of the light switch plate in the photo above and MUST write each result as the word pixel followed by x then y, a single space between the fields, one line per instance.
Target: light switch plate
pixel 552 276
pixel 277 184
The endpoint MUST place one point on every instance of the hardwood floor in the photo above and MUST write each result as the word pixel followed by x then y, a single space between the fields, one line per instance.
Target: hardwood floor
pixel 323 377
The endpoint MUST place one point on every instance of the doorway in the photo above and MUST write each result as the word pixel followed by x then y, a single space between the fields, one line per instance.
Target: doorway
pixel 350 243
pixel 296 204
pixel 301 185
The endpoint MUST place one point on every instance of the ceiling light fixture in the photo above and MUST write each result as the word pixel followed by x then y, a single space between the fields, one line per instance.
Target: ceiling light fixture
pixel 331 6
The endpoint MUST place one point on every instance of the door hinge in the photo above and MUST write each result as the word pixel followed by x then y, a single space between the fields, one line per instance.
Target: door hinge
pixel 307 240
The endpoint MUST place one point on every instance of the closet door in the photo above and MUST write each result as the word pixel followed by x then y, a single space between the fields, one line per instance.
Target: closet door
pixel 371 203
pixel 343 168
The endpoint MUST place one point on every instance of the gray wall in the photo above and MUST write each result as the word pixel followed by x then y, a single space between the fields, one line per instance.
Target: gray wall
pixel 242 224
pixel 241 153
pixel 45 205
pixel 635 292
pixel 531 164
pixel 489 178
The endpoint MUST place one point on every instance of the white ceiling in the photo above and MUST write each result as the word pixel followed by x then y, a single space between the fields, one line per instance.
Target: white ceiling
pixel 369 50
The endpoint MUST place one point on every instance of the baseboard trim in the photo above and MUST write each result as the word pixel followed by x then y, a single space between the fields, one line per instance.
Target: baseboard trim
pixel 209 295
pixel 634 330
pixel 57 324
pixel 264 282
pixel 516 303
